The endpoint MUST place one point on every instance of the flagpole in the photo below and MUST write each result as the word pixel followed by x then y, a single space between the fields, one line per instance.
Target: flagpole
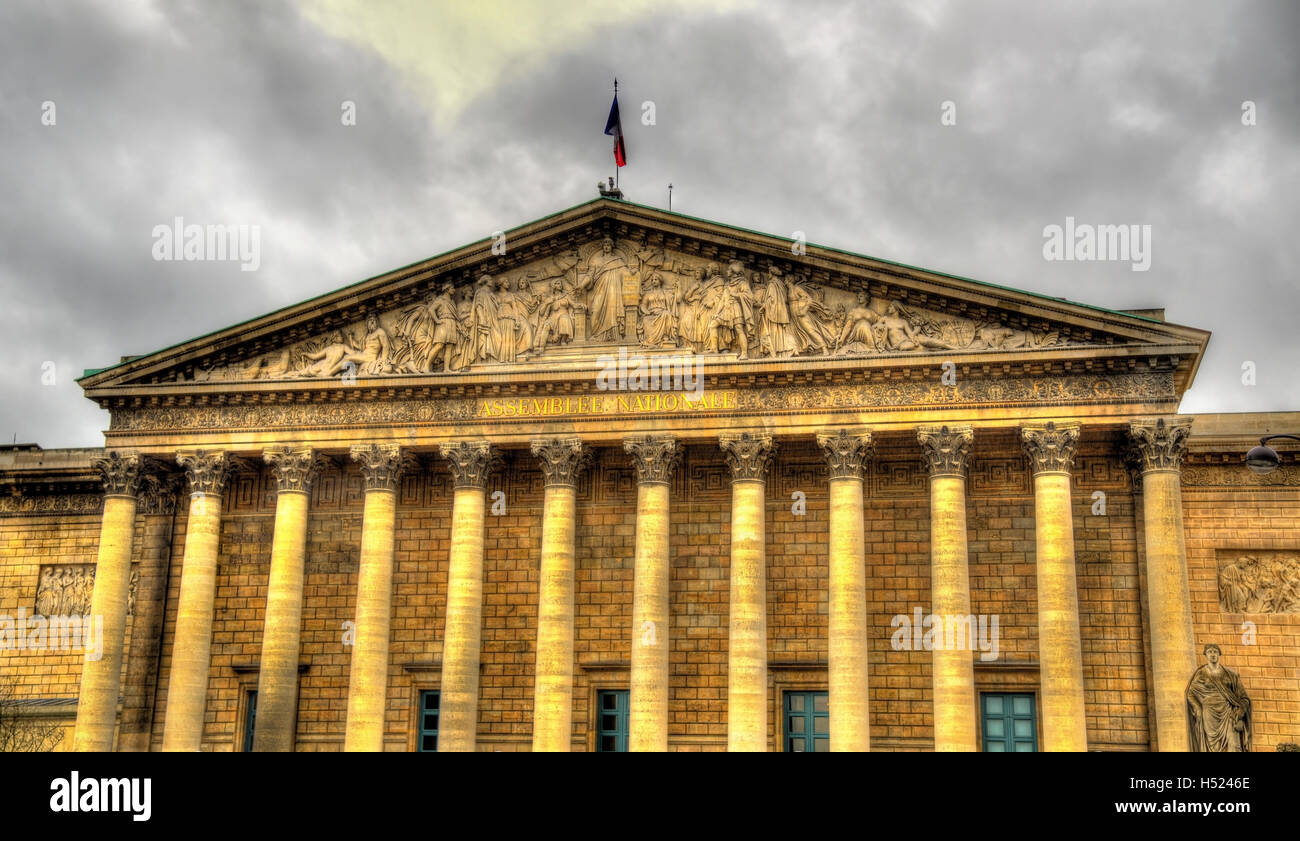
pixel 616 168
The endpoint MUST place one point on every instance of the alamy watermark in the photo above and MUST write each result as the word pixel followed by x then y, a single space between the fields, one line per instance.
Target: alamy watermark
pixel 179 241
pixel 932 632
pixel 638 372
pixel 52 633
pixel 1086 242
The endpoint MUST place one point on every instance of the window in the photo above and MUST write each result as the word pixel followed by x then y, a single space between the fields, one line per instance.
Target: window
pixel 428 737
pixel 250 718
pixel 1008 721
pixel 611 720
pixel 807 722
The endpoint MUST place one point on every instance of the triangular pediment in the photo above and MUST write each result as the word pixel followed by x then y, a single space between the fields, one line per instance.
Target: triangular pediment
pixel 569 290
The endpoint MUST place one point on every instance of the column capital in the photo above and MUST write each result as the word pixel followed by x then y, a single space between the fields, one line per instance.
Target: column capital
pixel 946 448
pixel 748 455
pixel 471 462
pixel 294 468
pixel 381 465
pixel 655 457
pixel 157 494
pixel 846 452
pixel 563 459
pixel 1050 448
pixel 120 473
pixel 207 470
pixel 1158 443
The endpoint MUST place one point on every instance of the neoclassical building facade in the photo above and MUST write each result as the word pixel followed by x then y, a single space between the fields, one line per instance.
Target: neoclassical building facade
pixel 624 479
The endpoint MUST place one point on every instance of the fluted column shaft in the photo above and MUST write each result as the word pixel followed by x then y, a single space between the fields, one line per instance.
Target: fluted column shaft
pixel 655 458
pixel 946 450
pixel 1157 448
pixel 562 461
pixel 187 688
pixel 277 680
pixel 101 677
pixel 381 467
pixel 462 638
pixel 847 635
pixel 748 456
pixel 1051 449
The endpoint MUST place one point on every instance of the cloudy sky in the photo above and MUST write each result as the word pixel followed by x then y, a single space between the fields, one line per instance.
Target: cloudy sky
pixel 825 118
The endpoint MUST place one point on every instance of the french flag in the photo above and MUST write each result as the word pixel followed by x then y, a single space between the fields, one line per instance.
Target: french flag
pixel 614 126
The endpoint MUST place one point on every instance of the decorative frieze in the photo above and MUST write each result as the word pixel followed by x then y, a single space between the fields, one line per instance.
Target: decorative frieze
pixel 471 462
pixel 1005 392
pixel 1259 582
pixel 1050 448
pixel 1158 444
pixel 846 453
pixel 66 590
pixel 748 455
pixel 294 469
pixel 946 448
pixel 563 459
pixel 654 456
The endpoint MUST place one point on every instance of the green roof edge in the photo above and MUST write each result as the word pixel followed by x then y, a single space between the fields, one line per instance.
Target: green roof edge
pixel 89 372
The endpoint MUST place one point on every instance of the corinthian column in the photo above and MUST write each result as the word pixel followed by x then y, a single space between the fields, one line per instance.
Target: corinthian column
pixel 277 679
pixel 655 458
pixel 748 456
pixel 847 632
pixel 471 463
pixel 157 508
pixel 101 678
pixel 187 689
pixel 1157 448
pixel 562 462
pixel 1060 653
pixel 946 449
pixel 381 467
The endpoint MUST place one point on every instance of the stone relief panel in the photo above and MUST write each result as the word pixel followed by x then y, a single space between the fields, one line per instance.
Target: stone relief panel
pixel 607 293
pixel 65 590
pixel 1259 581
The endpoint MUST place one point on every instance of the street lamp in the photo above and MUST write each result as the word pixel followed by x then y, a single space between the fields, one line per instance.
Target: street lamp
pixel 1264 459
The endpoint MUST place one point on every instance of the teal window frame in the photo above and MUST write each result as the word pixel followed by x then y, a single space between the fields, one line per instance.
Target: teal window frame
pixel 430 717
pixel 806 721
pixel 612 708
pixel 1009 722
pixel 250 720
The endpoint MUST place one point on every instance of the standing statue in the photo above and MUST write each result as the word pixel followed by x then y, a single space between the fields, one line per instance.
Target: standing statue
pixel 734 317
pixel 514 313
pixel 658 325
pixel 485 332
pixel 1218 709
pixel 446 332
pixel 465 348
pixel 689 323
pixel 810 319
pixel 604 278
pixel 775 334
pixel 555 318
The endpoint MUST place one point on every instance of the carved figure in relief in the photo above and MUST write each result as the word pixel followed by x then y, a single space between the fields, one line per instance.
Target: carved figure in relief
pixel 811 321
pixel 658 323
pixel 1248 584
pixel 465 349
pixel 1218 708
pixel 328 361
pixel 899 334
pixel 733 318
pixel 555 317
pixel 606 272
pixel 514 312
pixel 373 356
pixel 859 332
pixel 690 326
pixel 776 334
pixel 485 330
pixel 47 597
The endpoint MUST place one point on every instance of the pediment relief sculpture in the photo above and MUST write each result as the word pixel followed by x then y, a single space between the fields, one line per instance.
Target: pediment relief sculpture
pixel 606 294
